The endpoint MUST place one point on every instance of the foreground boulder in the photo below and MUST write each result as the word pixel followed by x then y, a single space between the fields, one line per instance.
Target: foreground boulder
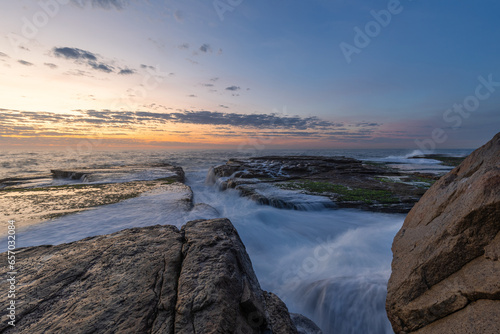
pixel 145 280
pixel 446 266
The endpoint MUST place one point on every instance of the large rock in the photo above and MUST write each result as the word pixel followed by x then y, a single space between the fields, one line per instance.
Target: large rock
pixel 446 269
pixel 144 280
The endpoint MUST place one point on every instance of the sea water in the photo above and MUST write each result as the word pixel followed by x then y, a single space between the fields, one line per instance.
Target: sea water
pixel 330 265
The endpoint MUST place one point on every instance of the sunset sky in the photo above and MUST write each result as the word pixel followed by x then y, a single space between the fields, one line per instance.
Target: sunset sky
pixel 226 73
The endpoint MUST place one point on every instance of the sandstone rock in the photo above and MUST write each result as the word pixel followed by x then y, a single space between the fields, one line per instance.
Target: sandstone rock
pixel 446 268
pixel 281 321
pixel 145 280
pixel 218 291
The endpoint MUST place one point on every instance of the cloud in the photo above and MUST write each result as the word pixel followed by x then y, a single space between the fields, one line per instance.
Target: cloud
pixel 233 88
pixel 79 73
pixel 366 124
pixel 192 95
pixel 223 106
pixel 147 66
pixel 101 67
pixel 51 65
pixel 205 48
pixel 126 71
pixel 4 55
pixel 205 117
pixel 28 124
pixel 24 62
pixel 184 46
pixel 80 56
pixel 179 16
pixel 74 53
pixel 104 4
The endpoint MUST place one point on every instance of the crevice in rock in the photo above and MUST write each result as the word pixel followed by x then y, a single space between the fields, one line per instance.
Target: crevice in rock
pixel 178 271
pixel 159 278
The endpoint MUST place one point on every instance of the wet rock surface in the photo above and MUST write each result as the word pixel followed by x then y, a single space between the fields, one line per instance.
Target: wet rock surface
pixel 446 264
pixel 155 279
pixel 337 182
pixel 33 199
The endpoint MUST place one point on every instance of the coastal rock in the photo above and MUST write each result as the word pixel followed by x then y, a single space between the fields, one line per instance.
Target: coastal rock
pixel 155 279
pixel 120 173
pixel 446 268
pixel 305 325
pixel 331 182
pixel 32 199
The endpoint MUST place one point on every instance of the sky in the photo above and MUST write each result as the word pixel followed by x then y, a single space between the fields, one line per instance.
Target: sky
pixel 415 74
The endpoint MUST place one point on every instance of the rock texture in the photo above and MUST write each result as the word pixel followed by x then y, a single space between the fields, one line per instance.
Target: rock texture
pixel 336 182
pixel 145 280
pixel 446 266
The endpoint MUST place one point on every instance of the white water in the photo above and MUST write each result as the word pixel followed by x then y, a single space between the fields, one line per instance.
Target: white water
pixel 330 265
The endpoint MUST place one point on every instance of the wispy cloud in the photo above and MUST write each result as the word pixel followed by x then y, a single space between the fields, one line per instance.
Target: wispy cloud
pixel 24 62
pixel 51 65
pixel 74 53
pixel 126 71
pixel 233 88
pixel 211 124
pixel 179 16
pixel 186 117
pixel 205 48
pixel 101 67
pixel 91 59
pixel 104 4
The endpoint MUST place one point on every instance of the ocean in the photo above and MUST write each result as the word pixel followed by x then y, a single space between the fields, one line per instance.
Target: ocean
pixel 330 265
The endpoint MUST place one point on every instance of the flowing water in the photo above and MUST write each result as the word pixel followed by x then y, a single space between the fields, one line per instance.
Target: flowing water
pixel 330 265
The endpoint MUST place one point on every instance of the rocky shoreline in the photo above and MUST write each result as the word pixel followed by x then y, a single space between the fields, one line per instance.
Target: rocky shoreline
pixel 298 183
pixel 161 279
pixel 156 279
pixel 33 199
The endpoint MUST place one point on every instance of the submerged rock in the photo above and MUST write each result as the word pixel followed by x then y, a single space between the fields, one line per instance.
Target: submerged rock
pixel 145 280
pixel 446 266
pixel 319 182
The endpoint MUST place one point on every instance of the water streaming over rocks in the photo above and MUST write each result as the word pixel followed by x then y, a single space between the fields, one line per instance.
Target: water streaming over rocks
pixel 330 265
